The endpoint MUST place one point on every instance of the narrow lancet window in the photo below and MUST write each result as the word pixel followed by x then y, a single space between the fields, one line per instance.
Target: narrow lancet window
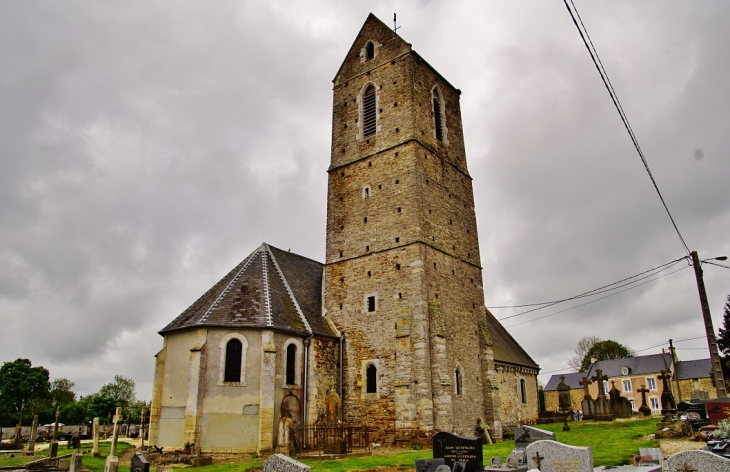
pixel 372 379
pixel 368 112
pixel 291 362
pixel 369 50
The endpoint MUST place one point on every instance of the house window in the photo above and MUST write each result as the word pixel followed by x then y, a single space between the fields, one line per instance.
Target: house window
pixel 651 383
pixel 605 386
pixel 232 370
pixel 291 363
pixel 371 303
pixel 633 406
pixel 654 403
pixel 627 385
pixel 371 375
pixel 459 381
pixel 369 117
pixel 523 391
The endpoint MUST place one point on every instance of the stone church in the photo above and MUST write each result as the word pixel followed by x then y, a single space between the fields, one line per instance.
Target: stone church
pixel 393 323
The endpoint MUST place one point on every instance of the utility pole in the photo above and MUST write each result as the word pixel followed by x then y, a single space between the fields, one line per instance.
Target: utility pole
pixel 711 341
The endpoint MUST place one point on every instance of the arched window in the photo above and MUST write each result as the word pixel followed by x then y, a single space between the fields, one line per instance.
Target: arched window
pixel 291 363
pixel 369 116
pixel 234 352
pixel 371 374
pixel 459 382
pixel 233 349
pixel 369 50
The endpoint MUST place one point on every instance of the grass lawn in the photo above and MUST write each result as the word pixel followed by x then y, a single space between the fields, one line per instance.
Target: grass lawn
pixel 613 443
pixel 94 463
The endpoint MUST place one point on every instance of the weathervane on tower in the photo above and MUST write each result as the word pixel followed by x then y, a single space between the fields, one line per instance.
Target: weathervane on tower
pixel 395 28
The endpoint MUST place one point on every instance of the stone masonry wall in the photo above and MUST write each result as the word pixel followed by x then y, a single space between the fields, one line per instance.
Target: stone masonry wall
pixel 514 411
pixel 401 228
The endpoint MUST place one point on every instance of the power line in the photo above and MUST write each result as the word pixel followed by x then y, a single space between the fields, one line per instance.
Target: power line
pixel 716 264
pixel 614 97
pixel 588 303
pixel 595 291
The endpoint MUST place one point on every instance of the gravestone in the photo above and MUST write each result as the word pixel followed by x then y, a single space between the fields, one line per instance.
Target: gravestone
pixel 139 464
pixel 95 430
pixel 282 463
pixel 111 464
pixel 699 461
pixel 33 434
pixel 620 406
pixel 669 407
pixel 525 435
pixel 76 461
pixel 587 403
pixel 428 465
pixel 454 448
pixel 644 408
pixel 655 453
pixel 551 456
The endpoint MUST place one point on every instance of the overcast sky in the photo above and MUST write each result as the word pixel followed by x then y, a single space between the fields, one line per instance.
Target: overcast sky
pixel 147 147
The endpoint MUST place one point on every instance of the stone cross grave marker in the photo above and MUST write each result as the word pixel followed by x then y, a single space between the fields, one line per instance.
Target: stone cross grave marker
pixel 139 464
pixel 282 463
pixel 668 404
pixel 585 383
pixel 699 461
pixel 525 435
pixel 644 408
pixel 551 456
pixel 115 433
pixel 454 448
pixel 600 378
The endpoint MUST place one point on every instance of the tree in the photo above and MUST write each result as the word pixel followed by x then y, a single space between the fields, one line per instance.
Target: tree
pixel 21 383
pixel 604 351
pixel 584 345
pixel 101 406
pixel 61 393
pixel 723 341
pixel 122 391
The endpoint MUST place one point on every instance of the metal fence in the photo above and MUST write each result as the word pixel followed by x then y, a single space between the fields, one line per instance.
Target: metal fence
pixel 333 439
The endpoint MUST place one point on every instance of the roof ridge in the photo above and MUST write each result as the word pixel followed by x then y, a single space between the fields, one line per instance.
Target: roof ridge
pixel 228 287
pixel 267 292
pixel 289 290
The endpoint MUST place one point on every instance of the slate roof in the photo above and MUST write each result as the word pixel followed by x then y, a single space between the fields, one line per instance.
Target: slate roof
pixel 696 369
pixel 270 288
pixel 638 365
pixel 573 380
pixel 506 349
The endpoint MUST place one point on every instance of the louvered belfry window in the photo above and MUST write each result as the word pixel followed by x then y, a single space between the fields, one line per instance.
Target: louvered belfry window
pixel 437 119
pixel 368 112
pixel 234 350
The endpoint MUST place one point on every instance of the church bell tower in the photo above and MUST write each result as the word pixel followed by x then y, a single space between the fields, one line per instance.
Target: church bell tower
pixel 403 279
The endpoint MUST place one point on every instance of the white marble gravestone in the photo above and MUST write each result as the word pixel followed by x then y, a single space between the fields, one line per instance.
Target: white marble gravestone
pixel 552 456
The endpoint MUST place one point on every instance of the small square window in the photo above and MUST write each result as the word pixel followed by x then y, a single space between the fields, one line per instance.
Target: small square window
pixel 397 181
pixel 369 274
pixel 397 240
pixel 367 248
pixel 340 306
pixel 398 209
pixel 400 295
pixel 371 303
pixel 365 220
pixel 340 253
pixel 397 267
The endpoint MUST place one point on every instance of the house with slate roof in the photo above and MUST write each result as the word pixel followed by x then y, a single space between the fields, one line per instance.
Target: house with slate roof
pixel 391 332
pixel 690 379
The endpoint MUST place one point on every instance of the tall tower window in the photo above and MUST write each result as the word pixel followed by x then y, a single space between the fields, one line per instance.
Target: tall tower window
pixel 234 351
pixel 291 363
pixel 439 125
pixel 459 381
pixel 369 117
pixel 371 374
